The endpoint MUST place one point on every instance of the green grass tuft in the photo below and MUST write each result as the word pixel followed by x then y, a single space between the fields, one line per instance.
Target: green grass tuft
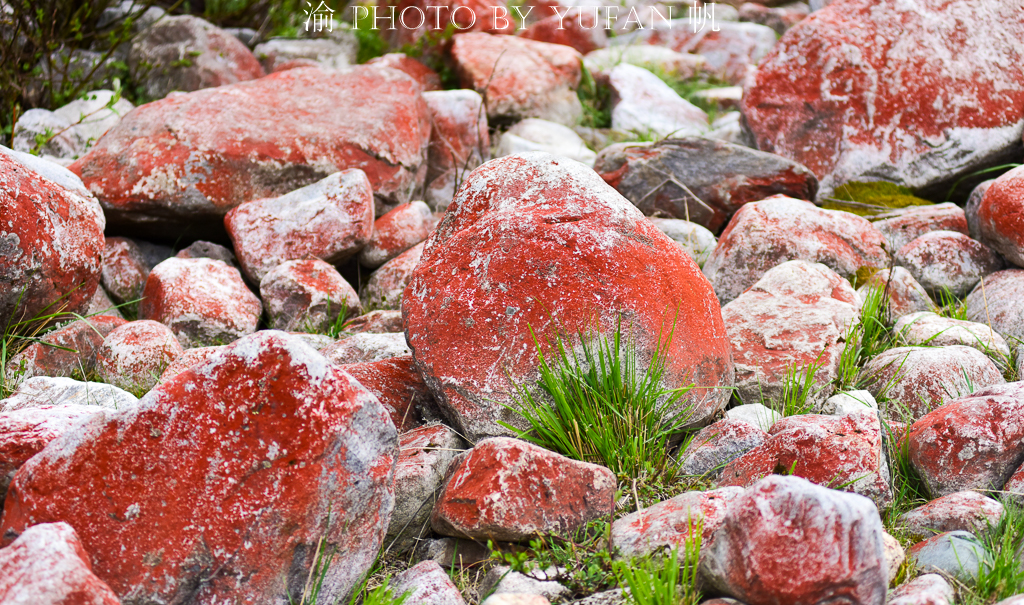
pixel 664 581
pixel 867 338
pixel 797 389
pixel 1002 577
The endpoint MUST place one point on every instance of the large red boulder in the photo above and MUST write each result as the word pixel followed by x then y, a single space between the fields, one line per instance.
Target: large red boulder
pixel 1001 216
pixel 522 78
pixel 51 239
pixel 764 234
pixel 785 540
pixel 506 489
pixel 539 245
pixel 224 481
pixel 863 90
pixel 47 565
pixel 188 159
pixel 842 452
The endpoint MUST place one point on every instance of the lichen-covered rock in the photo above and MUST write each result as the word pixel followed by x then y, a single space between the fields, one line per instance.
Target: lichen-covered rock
pixel 795 316
pixel 785 540
pixel 334 52
pixel 51 239
pixel 187 53
pixel 375 322
pixel 506 489
pixel 671 523
pixel 850 402
pixel 953 101
pixel 180 164
pixel 718 444
pixel 975 442
pixel 398 386
pixel 331 219
pixel 47 565
pixel 577 27
pixel 903 293
pixel 698 179
pixel 204 249
pixel 427 584
pixel 533 134
pixel 965 511
pixel 46 133
pixel 46 391
pixel 94 114
pixel 189 358
pixel 307 295
pixel 1001 216
pixel 920 379
pixel 124 270
pixel 459 142
pixel 927 589
pixel 998 301
pixel 396 232
pixel 541 246
pixel 366 347
pixel 652 58
pixel 695 240
pixel 221 484
pixel 426 453
pixel 754 414
pixel 728 51
pixel 971 208
pixel 386 285
pixel 929 329
pixel 203 301
pixel 842 452
pixel 643 105
pixel 67 351
pixel 133 356
pixel 414 68
pixel 763 234
pixel 779 18
pixel 947 260
pixel 523 78
pixel 911 223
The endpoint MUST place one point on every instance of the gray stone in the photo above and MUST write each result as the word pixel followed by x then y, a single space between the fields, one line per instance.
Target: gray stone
pixel 94 114
pixel 49 391
pixel 333 53
pixel 960 511
pixel 203 249
pixel 957 553
pixel 698 179
pixel 533 134
pixel 644 105
pixel 719 444
pixel 850 402
pixel 616 596
pixel 647 56
pixel 502 580
pixel 367 347
pixel 695 240
pixel 46 132
pixel 426 584
pixel 756 414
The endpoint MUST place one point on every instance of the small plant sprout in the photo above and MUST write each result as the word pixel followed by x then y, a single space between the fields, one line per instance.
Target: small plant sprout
pixel 659 580
pixel 798 387
pixel 596 403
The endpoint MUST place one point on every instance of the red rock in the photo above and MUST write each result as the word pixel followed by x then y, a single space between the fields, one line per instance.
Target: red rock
pixel 718 444
pixel 397 383
pixel 672 522
pixel 51 239
pixel 428 584
pixel 522 78
pixel 947 260
pixel 763 234
pixel 463 15
pixel 203 301
pixel 426 454
pixel 124 270
pixel 975 442
pixel 294 64
pixel 307 295
pixel 134 355
pixel 386 286
pixel 506 489
pixel 158 62
pixel 396 232
pixel 427 77
pixel 257 139
pixel 721 175
pixel 67 351
pixel 921 379
pixel 367 346
pixel 794 316
pixel 25 432
pixel 727 52
pixel 943 113
pixel 1001 216
pixel 578 27
pixel 903 293
pixel 779 18
pixel 459 142
pixel 187 359
pixel 221 485
pixel 48 566
pixel 785 540
pixel 331 220
pixel 579 252
pixel 376 322
pixel 841 452
pixel 998 301
pixel 910 224
pixel 964 511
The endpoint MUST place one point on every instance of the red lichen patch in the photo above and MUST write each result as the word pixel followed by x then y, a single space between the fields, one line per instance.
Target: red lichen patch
pixel 396 232
pixel 68 351
pixel 673 522
pixel 1001 216
pixel 134 355
pixel 398 385
pixel 576 27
